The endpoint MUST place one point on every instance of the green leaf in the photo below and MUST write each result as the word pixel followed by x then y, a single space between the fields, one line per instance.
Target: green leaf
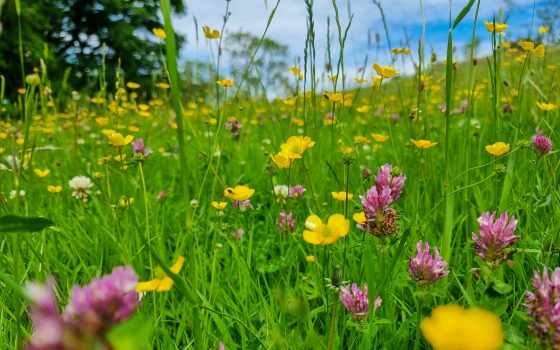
pixel 463 13
pixel 13 223
pixel 131 335
pixel 501 287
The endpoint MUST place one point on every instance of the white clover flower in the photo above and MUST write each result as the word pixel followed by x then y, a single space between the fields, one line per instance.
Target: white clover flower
pixel 281 192
pixel 81 186
pixel 13 194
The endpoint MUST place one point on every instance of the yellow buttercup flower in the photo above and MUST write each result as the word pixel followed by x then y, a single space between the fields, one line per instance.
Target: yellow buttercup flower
pixel 539 51
pixel 160 33
pixel 423 144
pixel 41 173
pixel 385 71
pixel 360 80
pixel 54 188
pixel 219 205
pixel 117 139
pixel 282 159
pixel 360 218
pixel 548 107
pixel 543 29
pixel 450 327
pixel 295 71
pixel 498 149
pixel 334 97
pixel 239 193
pixel 225 82
pixel 164 283
pixel 210 33
pixel 380 137
pixel 163 86
pixel 132 85
pixel 295 146
pixel 529 46
pixel 495 27
pixel 318 233
pixel 341 196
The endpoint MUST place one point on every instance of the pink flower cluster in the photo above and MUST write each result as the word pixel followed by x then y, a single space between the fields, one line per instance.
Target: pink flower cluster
pixel 355 300
pixel 380 217
pixel 286 222
pixel 543 308
pixel 93 310
pixel 425 269
pixel 494 238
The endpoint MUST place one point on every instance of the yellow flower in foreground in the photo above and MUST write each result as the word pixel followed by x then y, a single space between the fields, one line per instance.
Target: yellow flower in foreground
pixel 548 107
pixel 380 137
pixel 117 139
pixel 385 71
pixel 360 218
pixel 498 149
pixel 219 205
pixel 423 144
pixel 160 33
pixel 41 173
pixel 341 196
pixel 211 33
pixel 495 27
pixel 164 283
pixel 54 188
pixel 239 193
pixel 225 82
pixel 453 328
pixel 318 233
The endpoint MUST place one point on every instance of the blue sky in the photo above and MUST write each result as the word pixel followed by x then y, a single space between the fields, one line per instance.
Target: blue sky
pixel 289 25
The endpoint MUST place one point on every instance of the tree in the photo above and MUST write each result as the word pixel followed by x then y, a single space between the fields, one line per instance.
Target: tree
pixel 270 68
pixel 78 34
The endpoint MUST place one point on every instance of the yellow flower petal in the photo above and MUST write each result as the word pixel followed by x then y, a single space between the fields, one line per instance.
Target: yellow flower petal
pixel 176 268
pixel 314 223
pixel 312 237
pixel 148 286
pixel 360 218
pixel 338 225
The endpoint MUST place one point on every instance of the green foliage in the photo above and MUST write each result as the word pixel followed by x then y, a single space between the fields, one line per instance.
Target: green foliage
pixel 13 223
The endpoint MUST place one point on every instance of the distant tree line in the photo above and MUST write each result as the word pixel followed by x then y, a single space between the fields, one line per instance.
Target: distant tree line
pixel 80 35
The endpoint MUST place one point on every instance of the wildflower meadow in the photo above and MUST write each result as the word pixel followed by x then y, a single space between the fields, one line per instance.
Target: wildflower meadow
pixel 362 193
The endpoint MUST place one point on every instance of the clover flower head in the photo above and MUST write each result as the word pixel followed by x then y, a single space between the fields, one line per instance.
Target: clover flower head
pixel 425 269
pixel 494 238
pixel 543 308
pixel 355 300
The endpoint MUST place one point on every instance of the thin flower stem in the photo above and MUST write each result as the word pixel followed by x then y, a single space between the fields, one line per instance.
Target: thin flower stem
pixel 333 320
pixel 148 237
